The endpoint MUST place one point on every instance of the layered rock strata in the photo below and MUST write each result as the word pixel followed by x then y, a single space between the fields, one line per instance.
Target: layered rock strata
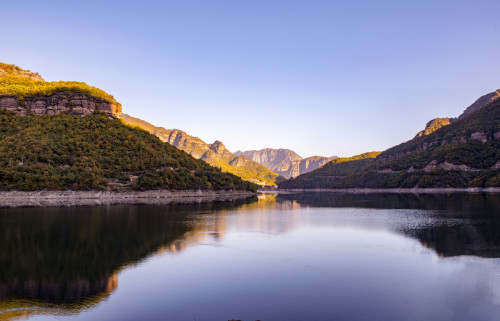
pixel 72 102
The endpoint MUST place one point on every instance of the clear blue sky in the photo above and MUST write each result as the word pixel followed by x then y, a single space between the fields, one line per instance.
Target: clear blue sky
pixel 319 77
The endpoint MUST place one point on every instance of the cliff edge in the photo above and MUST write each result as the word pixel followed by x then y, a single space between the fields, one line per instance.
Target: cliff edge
pixel 26 93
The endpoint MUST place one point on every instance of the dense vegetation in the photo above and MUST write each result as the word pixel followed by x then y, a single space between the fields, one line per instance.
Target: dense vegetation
pixel 410 165
pixel 22 87
pixel 11 69
pixel 486 120
pixel 240 166
pixel 243 167
pixel 370 173
pixel 338 173
pixel 94 152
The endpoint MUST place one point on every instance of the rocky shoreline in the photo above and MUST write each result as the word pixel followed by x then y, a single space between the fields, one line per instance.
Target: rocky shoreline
pixel 397 190
pixel 95 198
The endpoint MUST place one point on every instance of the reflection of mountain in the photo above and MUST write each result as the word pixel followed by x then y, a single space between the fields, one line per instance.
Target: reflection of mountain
pixel 476 239
pixel 71 255
pixel 479 237
pixel 451 204
pixel 58 291
pixel 68 259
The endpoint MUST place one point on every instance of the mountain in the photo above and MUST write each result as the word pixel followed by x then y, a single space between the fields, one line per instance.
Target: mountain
pixel 215 154
pixel 433 125
pixel 285 162
pixel 480 103
pixel 66 135
pixel 26 93
pixel 460 152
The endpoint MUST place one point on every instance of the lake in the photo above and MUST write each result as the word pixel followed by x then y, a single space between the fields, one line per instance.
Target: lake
pixel 310 256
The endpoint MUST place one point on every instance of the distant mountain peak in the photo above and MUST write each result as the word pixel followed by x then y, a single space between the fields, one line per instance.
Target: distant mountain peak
pixel 285 162
pixel 215 154
pixel 219 148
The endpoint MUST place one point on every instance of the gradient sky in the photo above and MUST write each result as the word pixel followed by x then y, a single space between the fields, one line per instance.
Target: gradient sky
pixel 319 77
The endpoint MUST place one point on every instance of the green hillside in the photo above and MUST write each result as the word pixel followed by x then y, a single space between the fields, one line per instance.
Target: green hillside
pixel 215 154
pixel 462 153
pixel 338 173
pixel 97 152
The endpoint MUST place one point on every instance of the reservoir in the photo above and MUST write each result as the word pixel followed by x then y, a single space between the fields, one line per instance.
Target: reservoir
pixel 307 256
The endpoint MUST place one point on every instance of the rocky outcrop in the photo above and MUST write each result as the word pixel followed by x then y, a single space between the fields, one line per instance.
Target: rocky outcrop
pixel 433 125
pixel 445 166
pixel 480 136
pixel 285 162
pixel 277 160
pixel 72 102
pixel 221 150
pixel 240 161
pixel 306 165
pixel 30 101
pixel 215 154
pixel 193 145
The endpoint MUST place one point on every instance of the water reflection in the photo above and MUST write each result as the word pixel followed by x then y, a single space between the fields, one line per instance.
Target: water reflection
pixel 67 260
pixel 71 256
pixel 471 221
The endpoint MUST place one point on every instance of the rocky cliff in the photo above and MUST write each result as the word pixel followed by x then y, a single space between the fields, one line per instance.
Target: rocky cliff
pixel 285 162
pixel 71 102
pixel 216 154
pixel 26 93
pixel 220 149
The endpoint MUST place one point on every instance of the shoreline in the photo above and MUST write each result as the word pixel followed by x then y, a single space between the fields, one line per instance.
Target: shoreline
pixel 394 190
pixel 95 198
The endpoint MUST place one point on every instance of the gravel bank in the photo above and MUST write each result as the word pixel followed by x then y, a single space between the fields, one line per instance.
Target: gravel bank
pixel 77 198
pixel 398 190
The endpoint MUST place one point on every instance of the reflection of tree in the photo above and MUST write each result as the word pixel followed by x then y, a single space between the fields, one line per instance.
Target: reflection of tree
pixel 455 203
pixel 71 255
pixel 477 238
pixel 68 258
pixel 480 236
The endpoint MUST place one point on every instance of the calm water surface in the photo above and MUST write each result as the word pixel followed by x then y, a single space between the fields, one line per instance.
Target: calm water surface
pixel 287 257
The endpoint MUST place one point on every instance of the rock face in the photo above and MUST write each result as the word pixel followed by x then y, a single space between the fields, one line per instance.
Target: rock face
pixel 71 100
pixel 480 103
pixel 193 145
pixel 74 103
pixel 277 160
pixel 241 161
pixel 480 136
pixel 285 162
pixel 216 154
pixel 219 148
pixel 311 163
